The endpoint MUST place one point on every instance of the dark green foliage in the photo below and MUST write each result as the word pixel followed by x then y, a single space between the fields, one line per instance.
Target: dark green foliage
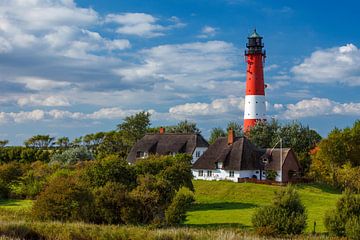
pixel 65 199
pixel 109 169
pixel 176 212
pixel 271 175
pixel 352 228
pixel 39 141
pixel 175 169
pixel 114 143
pixel 184 127
pixel 215 134
pixel 134 127
pixel 337 160
pixel 347 208
pixel 3 143
pixel 32 181
pixel 9 173
pixel 24 155
pixel 294 135
pixel 71 156
pixel 286 215
pixel 110 201
pixel 236 127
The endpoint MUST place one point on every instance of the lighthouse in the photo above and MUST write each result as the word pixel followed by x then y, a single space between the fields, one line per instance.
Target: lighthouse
pixel 255 108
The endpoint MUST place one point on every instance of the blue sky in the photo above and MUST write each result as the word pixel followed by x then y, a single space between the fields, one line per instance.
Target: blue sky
pixel 68 68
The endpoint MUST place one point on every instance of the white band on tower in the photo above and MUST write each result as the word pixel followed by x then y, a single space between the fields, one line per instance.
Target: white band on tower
pixel 255 107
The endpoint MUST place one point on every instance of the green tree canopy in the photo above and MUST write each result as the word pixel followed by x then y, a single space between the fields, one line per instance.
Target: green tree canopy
pixel 39 141
pixel 184 127
pixel 216 133
pixel 135 126
pixel 3 143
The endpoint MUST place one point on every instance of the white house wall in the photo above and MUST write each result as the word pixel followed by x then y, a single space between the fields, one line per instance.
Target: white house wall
pixel 220 174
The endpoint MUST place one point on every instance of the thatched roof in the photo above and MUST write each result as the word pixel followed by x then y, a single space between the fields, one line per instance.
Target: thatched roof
pixel 241 155
pixel 166 143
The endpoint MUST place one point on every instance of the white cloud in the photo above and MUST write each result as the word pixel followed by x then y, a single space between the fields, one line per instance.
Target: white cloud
pixel 140 24
pixel 207 31
pixel 232 105
pixel 320 107
pixel 20 117
pixel 338 64
pixel 39 84
pixel 49 101
pixel 186 64
pixel 38 115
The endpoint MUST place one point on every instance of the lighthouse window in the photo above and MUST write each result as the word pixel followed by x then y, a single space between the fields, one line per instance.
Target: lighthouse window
pixel 249 102
pixel 257 114
pixel 256 101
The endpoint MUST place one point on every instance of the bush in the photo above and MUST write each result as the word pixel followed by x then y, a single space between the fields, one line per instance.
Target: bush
pixel 344 219
pixel 10 173
pixel 109 203
pixel 109 169
pixel 286 215
pixel 72 156
pixel 352 228
pixel 64 199
pixel 176 212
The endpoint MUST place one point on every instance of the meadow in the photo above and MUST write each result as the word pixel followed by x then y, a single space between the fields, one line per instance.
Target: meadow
pixel 229 204
pixel 222 210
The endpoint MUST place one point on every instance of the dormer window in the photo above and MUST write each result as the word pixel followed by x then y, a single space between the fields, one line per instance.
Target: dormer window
pixel 219 165
pixel 141 154
pixel 197 154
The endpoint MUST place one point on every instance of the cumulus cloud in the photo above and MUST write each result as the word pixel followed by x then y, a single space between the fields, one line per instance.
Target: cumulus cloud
pixel 207 31
pixel 141 24
pixel 232 105
pixel 320 107
pixel 55 114
pixel 185 64
pixel 338 64
pixel 48 101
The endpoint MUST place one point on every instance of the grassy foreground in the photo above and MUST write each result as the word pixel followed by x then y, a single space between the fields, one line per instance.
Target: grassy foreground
pixel 228 204
pixel 222 211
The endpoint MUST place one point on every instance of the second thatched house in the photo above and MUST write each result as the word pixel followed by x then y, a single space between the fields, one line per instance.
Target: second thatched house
pixel 234 158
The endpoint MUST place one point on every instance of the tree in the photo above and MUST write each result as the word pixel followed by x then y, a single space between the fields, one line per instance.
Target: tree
pixel 215 134
pixel 176 212
pixel 77 142
pixel 39 141
pixel 286 215
pixel 135 126
pixel 185 127
pixel 3 143
pixel 63 142
pixel 236 127
pixel 293 135
pixel 72 156
pixel 340 221
pixel 114 143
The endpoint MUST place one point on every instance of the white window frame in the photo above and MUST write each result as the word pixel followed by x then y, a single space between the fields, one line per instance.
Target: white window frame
pixel 209 173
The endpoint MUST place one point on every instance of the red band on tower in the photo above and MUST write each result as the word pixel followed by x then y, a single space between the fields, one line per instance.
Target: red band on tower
pixel 255 107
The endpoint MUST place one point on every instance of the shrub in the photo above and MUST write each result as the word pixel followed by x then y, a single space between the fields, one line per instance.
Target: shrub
pixel 72 156
pixel 176 212
pixel 352 228
pixel 341 221
pixel 109 169
pixel 10 173
pixel 286 215
pixel 64 199
pixel 109 202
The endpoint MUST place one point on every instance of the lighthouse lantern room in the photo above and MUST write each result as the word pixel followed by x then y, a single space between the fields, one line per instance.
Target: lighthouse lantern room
pixel 255 107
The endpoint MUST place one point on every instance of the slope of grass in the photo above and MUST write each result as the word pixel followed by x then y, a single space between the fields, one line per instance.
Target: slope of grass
pixel 228 204
pixel 15 204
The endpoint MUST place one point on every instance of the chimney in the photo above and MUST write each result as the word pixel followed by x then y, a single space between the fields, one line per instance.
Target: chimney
pixel 231 136
pixel 162 130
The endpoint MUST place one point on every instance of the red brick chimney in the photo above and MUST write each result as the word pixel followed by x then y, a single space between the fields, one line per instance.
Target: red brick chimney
pixel 162 130
pixel 231 136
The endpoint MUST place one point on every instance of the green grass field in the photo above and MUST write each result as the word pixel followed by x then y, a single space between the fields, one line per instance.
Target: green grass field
pixel 221 204
pixel 228 204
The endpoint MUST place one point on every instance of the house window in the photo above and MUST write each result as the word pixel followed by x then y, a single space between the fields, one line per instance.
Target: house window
pixel 209 173
pixel 201 173
pixel 231 174
pixel 142 154
pixel 257 172
pixel 198 154
pixel 219 165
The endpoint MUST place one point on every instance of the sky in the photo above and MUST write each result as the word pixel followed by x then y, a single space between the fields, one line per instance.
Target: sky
pixel 73 67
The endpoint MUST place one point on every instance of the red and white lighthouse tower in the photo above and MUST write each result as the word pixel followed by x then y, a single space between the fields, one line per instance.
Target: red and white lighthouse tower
pixel 255 108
